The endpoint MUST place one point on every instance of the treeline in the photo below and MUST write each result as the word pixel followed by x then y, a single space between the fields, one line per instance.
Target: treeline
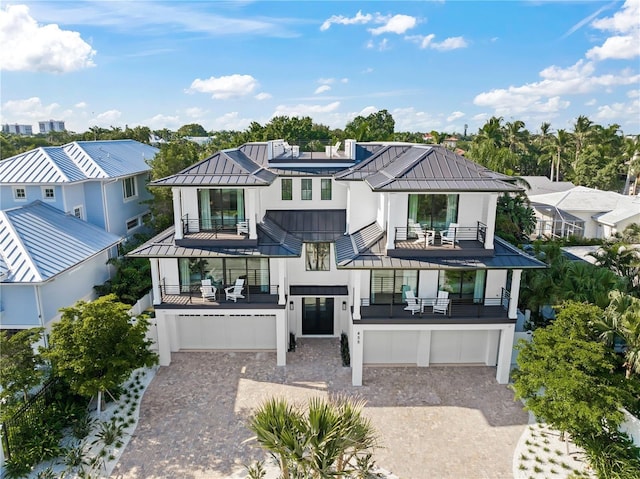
pixel 589 154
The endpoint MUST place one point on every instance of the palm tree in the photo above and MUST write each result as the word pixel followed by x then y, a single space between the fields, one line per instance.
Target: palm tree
pixel 622 319
pixel 582 129
pixel 561 142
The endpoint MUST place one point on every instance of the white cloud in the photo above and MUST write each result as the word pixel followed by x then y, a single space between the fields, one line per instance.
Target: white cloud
pixel 262 96
pixel 633 93
pixel 344 80
pixel 368 111
pixel 161 121
pixel 591 102
pixel 410 119
pixel 28 110
pixel 107 118
pixel 225 87
pixel 82 104
pixel 626 27
pixel 231 121
pixel 195 112
pixel 452 43
pixel 27 46
pixel 398 24
pixel 359 18
pixel 322 89
pixel 455 115
pixel 367 70
pixel 619 112
pixel 305 110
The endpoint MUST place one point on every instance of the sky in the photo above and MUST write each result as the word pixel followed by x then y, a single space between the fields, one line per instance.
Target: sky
pixel 434 65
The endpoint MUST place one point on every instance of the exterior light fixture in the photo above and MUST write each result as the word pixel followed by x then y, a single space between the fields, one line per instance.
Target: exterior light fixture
pixel 344 306
pixel 291 305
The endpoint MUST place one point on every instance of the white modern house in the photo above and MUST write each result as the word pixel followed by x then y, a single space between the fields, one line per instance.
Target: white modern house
pixel 390 243
pixel 584 212
pixel 63 211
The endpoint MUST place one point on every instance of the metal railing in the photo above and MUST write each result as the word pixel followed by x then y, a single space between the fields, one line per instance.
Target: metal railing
pixel 215 226
pixel 426 238
pixel 171 292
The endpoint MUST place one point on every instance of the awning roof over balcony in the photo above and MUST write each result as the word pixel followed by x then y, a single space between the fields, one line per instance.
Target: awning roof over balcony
pixel 311 225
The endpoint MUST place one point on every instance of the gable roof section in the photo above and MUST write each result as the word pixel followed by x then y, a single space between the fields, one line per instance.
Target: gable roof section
pixel 224 168
pixel 350 246
pixel 582 198
pixel 38 242
pixel 77 161
pixel 406 167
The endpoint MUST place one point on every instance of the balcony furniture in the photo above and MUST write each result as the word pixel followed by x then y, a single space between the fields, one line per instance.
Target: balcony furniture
pixel 413 304
pixel 208 290
pixel 234 292
pixel 441 304
pixel 243 227
pixel 448 236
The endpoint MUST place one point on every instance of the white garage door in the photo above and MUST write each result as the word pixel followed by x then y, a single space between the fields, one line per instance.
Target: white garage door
pixel 461 346
pixel 390 347
pixel 227 332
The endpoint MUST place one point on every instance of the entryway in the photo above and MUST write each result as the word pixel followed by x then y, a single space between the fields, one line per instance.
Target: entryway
pixel 317 316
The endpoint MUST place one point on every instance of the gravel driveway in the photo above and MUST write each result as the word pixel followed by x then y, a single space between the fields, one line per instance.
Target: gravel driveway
pixel 434 423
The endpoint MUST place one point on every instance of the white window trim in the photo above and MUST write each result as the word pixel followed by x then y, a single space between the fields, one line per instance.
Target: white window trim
pixel 15 193
pixel 44 193
pixel 79 207
pixel 126 223
pixel 124 190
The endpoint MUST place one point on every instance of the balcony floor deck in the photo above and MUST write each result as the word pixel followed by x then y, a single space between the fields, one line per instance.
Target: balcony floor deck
pixel 255 301
pixel 459 313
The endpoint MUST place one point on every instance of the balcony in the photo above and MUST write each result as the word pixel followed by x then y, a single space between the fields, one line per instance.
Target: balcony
pixel 458 311
pixel 181 296
pixel 227 232
pixel 416 240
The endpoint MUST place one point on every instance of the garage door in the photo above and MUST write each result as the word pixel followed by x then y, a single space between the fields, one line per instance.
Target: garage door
pixel 390 347
pixel 227 332
pixel 461 346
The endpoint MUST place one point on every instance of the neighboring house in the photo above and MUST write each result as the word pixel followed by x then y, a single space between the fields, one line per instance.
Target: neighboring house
pixel 16 129
pixel 584 212
pixel 361 241
pixel 48 260
pixel 102 182
pixel 539 185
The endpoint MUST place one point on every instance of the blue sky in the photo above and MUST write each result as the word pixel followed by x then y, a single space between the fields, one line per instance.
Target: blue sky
pixel 434 65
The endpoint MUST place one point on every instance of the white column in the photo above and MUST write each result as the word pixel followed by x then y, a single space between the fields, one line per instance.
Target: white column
pixel 282 286
pixel 177 213
pixel 356 276
pixel 251 206
pixel 424 348
pixel 348 226
pixel 493 342
pixel 504 353
pixel 164 342
pixel 515 293
pixel 491 220
pixel 357 355
pixel 155 281
pixel 390 223
pixel 282 334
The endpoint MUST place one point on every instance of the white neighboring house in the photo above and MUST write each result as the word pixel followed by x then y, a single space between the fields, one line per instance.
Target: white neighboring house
pixel 336 243
pixel 48 260
pixel 584 212
pixel 102 182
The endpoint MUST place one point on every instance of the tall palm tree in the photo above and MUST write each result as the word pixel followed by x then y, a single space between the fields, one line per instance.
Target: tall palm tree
pixel 582 129
pixel 561 142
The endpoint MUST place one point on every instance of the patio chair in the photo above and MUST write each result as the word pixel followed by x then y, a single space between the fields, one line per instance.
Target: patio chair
pixel 413 304
pixel 243 227
pixel 448 236
pixel 234 292
pixel 208 290
pixel 441 304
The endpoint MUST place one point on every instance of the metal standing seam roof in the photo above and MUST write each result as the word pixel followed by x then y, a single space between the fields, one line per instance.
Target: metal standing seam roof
pixel 77 161
pixel 38 242
pixel 311 225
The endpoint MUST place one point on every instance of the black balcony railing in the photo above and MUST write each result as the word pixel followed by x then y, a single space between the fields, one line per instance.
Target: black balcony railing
pixel 191 294
pixel 216 226
pixel 421 236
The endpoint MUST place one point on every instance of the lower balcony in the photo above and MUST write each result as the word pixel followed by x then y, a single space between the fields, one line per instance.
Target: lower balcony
pixel 255 297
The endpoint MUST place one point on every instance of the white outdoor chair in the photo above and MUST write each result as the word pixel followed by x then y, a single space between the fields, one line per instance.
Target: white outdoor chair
pixel 449 236
pixel 208 290
pixel 413 304
pixel 243 227
pixel 441 304
pixel 234 292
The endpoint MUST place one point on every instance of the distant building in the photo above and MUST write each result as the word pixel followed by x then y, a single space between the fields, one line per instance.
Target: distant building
pixel 51 125
pixel 15 129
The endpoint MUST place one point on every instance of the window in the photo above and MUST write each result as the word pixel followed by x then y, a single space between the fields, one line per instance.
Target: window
pixel 317 256
pixel 469 285
pixel 220 208
pixel 48 194
pixel 389 286
pixel 325 189
pixel 20 193
pixel 129 187
pixel 77 212
pixel 434 212
pixel 306 189
pixel 133 223
pixel 224 272
pixel 287 188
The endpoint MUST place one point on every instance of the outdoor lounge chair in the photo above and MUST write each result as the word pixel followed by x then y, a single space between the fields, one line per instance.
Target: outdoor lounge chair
pixel 441 304
pixel 208 290
pixel 448 236
pixel 413 304
pixel 234 292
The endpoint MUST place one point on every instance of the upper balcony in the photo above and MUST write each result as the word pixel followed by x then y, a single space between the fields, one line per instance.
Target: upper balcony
pixel 456 240
pixel 174 296
pixel 225 232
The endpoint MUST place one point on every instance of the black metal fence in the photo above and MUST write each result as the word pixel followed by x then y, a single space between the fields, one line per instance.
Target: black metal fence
pixel 29 415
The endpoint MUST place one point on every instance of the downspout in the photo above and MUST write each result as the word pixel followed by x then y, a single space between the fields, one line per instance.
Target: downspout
pixel 40 314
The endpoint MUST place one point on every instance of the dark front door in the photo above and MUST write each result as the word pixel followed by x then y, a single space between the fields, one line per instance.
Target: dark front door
pixel 317 316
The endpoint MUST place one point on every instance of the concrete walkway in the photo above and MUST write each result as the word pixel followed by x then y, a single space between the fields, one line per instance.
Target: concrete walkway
pixel 436 422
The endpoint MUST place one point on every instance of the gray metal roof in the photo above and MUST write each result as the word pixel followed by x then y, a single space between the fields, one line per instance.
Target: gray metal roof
pixel 349 246
pixel 311 225
pixel 77 161
pixel 312 290
pixel 224 168
pixel 38 242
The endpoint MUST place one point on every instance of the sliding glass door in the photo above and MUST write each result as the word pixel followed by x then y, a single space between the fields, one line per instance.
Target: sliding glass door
pixel 220 208
pixel 433 212
pixel 389 286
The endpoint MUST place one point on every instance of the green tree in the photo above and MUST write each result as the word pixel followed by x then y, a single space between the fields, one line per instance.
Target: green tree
pixel 621 258
pixel 19 363
pixel 564 374
pixel 96 346
pixel 192 129
pixel 378 126
pixel 515 219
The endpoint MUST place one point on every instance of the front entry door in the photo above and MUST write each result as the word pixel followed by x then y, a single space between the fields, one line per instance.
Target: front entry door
pixel 317 316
